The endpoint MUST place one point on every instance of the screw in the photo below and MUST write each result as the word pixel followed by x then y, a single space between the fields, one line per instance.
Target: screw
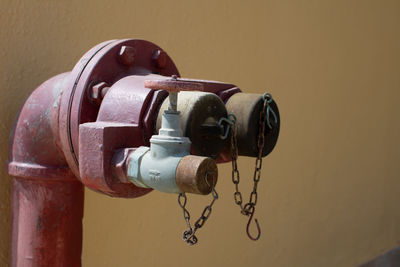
pixel 98 91
pixel 127 55
pixel 160 59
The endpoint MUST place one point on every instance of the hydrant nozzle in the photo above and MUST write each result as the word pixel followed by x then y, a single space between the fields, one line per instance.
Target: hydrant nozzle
pixel 167 165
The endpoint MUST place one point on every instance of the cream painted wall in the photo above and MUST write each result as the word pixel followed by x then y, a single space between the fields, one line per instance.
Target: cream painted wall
pixel 330 192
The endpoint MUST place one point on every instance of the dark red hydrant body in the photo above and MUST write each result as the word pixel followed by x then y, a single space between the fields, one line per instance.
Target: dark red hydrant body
pixel 78 128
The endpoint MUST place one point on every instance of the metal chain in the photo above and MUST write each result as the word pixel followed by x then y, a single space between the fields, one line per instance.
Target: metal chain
pixel 189 234
pixel 248 209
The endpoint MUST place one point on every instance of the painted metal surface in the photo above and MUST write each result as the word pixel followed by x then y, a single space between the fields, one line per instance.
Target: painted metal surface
pixel 98 142
pixel 44 151
pixel 47 199
pixel 80 128
pixel 47 222
pixel 102 63
pixel 157 167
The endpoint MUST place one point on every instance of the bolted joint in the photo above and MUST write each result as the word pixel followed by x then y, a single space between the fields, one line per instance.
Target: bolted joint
pixel 127 55
pixel 98 91
pixel 160 59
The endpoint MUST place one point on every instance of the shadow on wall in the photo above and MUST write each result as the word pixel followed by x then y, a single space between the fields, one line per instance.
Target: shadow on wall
pixel 388 259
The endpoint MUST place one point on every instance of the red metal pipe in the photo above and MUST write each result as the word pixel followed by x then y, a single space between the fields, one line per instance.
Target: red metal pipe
pixel 63 138
pixel 47 222
pixel 47 199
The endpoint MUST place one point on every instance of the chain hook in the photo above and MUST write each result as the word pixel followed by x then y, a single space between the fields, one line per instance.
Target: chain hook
pixel 248 209
pixel 230 122
pixel 251 213
pixel 268 98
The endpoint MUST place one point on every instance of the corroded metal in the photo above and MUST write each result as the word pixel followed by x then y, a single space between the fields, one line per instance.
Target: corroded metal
pixel 196 174
pixel 173 85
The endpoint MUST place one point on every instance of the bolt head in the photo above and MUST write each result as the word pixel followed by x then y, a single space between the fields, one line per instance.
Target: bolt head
pixel 127 55
pixel 96 91
pixel 160 59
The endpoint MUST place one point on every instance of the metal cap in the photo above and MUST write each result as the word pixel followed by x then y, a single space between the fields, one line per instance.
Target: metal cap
pixel 196 174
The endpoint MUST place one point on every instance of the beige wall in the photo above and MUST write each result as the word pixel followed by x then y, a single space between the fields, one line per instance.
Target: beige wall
pixel 329 194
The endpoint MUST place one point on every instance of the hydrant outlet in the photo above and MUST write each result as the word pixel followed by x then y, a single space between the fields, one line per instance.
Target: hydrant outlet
pixel 167 165
pixel 196 174
pixel 197 110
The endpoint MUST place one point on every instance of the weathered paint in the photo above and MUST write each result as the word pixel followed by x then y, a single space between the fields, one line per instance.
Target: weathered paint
pixel 331 187
pixel 47 199
pixel 62 137
pixel 100 64
pixel 47 222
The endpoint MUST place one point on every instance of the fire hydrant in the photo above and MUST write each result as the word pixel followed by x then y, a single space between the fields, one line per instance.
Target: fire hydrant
pixel 97 126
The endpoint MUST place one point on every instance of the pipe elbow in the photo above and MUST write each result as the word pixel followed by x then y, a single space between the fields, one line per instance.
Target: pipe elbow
pixel 34 142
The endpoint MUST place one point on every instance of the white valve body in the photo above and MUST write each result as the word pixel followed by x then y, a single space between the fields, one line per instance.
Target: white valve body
pixel 155 167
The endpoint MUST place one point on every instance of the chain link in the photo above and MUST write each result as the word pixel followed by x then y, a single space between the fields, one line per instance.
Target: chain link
pixel 189 234
pixel 248 209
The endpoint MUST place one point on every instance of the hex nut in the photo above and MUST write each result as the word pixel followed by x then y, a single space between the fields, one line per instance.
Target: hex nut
pixel 96 92
pixel 127 55
pixel 133 168
pixel 160 59
pixel 120 163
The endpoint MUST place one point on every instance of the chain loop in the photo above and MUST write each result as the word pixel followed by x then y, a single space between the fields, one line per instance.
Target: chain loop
pixel 189 234
pixel 267 97
pixel 229 124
